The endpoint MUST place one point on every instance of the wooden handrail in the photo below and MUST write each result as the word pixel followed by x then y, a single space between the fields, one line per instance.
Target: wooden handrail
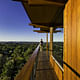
pixel 57 67
pixel 58 64
pixel 26 71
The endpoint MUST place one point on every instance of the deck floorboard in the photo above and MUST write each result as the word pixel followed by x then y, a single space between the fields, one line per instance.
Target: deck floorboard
pixel 44 70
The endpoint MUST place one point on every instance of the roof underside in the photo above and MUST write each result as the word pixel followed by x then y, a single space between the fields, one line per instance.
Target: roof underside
pixel 49 15
pixel 45 13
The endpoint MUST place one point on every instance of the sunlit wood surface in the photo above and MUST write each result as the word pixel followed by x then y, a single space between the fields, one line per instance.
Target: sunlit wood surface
pixel 57 67
pixel 72 40
pixel 44 70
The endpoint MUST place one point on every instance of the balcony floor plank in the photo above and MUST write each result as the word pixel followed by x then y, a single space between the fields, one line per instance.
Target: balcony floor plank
pixel 44 70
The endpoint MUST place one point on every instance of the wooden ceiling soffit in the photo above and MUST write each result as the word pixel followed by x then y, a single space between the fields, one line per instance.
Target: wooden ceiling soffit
pixel 47 2
pixel 46 20
pixel 57 31
pixel 48 29
pixel 57 25
pixel 43 27
pixel 38 26
pixel 40 31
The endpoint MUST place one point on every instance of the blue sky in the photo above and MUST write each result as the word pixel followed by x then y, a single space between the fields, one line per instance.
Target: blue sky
pixel 14 24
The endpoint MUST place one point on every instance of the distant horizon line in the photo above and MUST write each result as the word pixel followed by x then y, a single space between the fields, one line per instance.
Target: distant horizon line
pixel 28 41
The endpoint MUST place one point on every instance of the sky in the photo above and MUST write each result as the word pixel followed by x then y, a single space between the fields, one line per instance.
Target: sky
pixel 14 24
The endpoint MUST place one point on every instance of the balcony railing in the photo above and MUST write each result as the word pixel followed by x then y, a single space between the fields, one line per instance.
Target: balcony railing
pixel 57 68
pixel 28 71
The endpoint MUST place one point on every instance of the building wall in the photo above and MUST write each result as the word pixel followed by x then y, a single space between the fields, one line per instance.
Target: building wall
pixel 72 40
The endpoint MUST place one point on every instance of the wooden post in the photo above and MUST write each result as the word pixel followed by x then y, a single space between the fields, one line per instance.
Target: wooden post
pixel 47 43
pixel 51 40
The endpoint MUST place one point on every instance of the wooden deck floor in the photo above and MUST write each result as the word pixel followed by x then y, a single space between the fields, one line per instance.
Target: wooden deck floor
pixel 44 70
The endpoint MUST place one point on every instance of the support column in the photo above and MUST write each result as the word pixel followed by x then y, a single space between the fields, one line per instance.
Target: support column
pixel 47 43
pixel 51 41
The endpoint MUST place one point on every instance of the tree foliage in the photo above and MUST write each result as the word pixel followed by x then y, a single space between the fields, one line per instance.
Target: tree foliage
pixel 13 56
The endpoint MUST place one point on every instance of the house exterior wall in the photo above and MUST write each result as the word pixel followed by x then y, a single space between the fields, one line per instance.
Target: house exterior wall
pixel 72 40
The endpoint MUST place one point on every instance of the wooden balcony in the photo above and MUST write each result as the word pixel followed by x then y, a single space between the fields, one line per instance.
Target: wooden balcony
pixel 54 15
pixel 41 67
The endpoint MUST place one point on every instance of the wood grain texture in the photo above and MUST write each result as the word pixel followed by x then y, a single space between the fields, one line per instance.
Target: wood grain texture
pixel 78 37
pixel 51 41
pixel 65 41
pixel 69 40
pixel 44 69
pixel 72 40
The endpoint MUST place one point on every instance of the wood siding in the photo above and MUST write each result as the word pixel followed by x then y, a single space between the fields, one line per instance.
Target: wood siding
pixel 72 40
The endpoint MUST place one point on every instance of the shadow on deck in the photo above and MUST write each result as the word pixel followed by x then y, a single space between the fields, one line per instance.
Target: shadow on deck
pixel 44 69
